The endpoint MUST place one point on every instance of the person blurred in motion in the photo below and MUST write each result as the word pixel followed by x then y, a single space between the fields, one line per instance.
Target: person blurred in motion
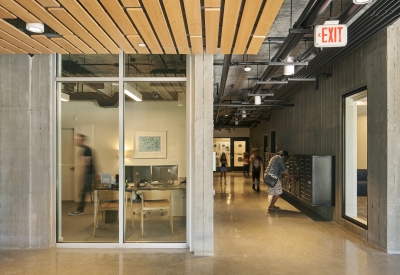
pixel 246 166
pixel 86 178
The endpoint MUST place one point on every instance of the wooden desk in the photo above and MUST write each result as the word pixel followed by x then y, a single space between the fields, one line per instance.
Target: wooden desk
pixel 176 186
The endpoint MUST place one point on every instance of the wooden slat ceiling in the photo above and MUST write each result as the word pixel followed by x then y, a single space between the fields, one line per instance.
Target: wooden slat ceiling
pixel 112 26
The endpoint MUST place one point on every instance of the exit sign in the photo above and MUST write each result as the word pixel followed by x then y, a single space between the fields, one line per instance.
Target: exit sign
pixel 330 35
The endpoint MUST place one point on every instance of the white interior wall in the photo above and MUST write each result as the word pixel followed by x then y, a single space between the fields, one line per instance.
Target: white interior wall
pixel 361 142
pixel 141 116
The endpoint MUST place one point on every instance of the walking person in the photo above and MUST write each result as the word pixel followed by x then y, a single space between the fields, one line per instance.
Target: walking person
pixel 256 163
pixel 246 166
pixel 87 174
pixel 275 168
pixel 224 165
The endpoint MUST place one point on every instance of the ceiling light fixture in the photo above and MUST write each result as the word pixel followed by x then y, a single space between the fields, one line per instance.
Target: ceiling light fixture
pixel 288 69
pixel 257 100
pixel 35 27
pixel 132 93
pixel 362 2
pixel 260 94
pixel 244 113
pixel 236 122
pixel 247 68
pixel 142 45
pixel 64 97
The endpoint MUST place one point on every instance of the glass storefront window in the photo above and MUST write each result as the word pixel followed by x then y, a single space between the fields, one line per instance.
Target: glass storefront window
pixel 88 162
pixel 88 65
pixel 155 162
pixel 355 157
pixel 155 65
pixel 134 194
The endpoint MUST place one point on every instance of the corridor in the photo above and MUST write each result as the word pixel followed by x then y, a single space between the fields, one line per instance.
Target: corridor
pixel 247 239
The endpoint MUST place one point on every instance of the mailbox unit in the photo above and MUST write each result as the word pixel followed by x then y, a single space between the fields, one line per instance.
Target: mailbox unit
pixel 314 177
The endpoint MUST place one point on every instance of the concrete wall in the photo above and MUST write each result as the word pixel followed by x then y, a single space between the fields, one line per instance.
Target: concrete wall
pixel 393 144
pixel 25 151
pixel 314 127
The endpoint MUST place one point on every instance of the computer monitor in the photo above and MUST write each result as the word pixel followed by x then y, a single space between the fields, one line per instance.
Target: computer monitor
pixel 164 173
pixel 134 173
pixel 105 178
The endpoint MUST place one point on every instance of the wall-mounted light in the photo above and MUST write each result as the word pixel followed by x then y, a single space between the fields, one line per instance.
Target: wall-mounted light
pixel 64 97
pixel 132 93
pixel 257 100
pixel 35 27
pixel 362 2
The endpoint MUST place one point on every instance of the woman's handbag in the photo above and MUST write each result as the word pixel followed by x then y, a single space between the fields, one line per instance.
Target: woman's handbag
pixel 270 181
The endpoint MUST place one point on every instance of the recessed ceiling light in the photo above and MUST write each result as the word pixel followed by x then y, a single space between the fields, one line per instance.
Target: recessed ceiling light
pixel 142 45
pixel 35 27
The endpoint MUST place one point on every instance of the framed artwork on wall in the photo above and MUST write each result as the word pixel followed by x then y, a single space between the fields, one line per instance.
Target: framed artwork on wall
pixel 150 145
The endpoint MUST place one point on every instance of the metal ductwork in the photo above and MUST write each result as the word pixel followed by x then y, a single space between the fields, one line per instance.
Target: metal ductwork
pixel 224 77
pixel 307 19
pixel 381 15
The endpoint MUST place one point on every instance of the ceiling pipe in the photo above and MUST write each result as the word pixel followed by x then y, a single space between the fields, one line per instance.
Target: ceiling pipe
pixel 360 31
pixel 351 10
pixel 224 77
pixel 309 15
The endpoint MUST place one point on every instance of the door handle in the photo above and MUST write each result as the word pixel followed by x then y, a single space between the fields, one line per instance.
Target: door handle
pixel 72 169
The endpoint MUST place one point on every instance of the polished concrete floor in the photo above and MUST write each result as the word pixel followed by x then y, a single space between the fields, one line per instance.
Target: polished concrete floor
pixel 248 240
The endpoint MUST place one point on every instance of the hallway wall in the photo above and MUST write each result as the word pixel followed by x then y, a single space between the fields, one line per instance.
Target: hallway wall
pixel 25 151
pixel 314 127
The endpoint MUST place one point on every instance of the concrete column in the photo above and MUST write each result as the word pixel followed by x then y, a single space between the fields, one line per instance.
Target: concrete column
pixel 200 124
pixel 25 151
pixel 393 144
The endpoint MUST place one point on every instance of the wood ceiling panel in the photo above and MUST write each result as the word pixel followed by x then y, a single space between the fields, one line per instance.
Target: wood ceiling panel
pixel 255 44
pixel 49 3
pixel 193 17
pixel 212 29
pixel 107 24
pixel 118 14
pixel 10 29
pixel 5 51
pixel 11 39
pixel 174 14
pixel 213 3
pixel 249 17
pixel 6 14
pixel 229 23
pixel 138 17
pixel 66 45
pixel 136 40
pixel 48 43
pixel 19 11
pixel 78 43
pixel 11 47
pixel 267 17
pixel 154 11
pixel 130 3
pixel 197 44
pixel 81 32
pixel 36 9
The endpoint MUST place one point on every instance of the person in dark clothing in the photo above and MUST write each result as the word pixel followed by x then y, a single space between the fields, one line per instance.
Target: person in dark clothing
pixel 246 166
pixel 224 165
pixel 87 174
pixel 256 163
